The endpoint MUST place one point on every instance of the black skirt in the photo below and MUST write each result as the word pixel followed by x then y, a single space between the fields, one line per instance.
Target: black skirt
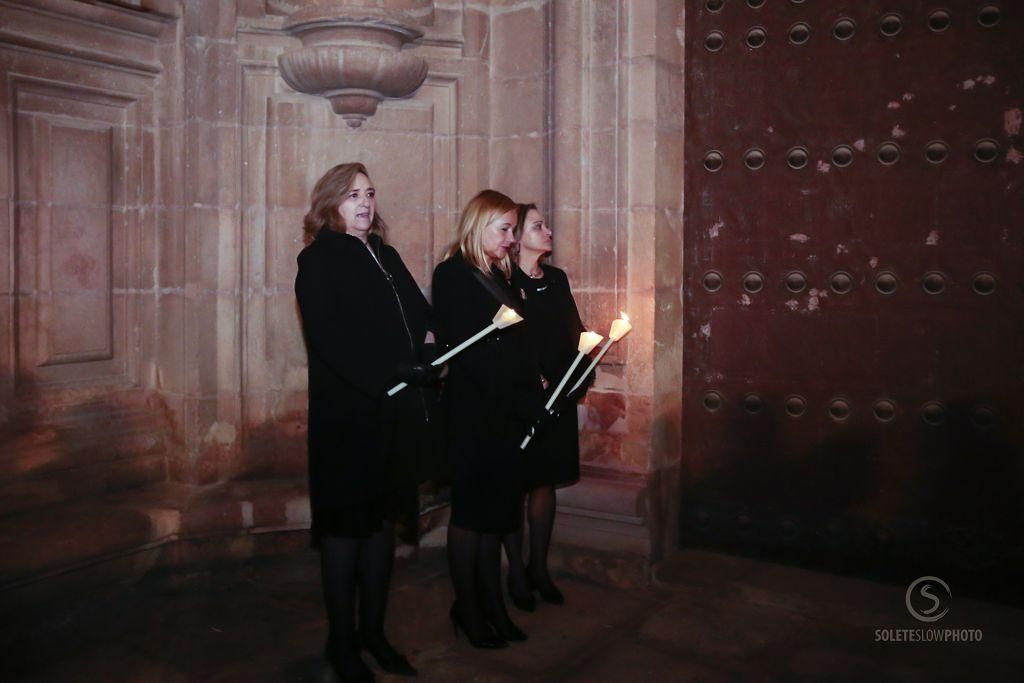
pixel 362 520
pixel 554 326
pixel 553 456
pixel 487 487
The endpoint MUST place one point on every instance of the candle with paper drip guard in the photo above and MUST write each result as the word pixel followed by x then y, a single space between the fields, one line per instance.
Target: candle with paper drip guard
pixel 502 319
pixel 588 340
pixel 620 328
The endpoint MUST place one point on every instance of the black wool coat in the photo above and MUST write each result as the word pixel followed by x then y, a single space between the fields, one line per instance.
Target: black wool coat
pixel 491 393
pixel 554 326
pixel 361 320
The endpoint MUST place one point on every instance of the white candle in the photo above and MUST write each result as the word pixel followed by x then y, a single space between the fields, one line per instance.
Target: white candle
pixel 620 328
pixel 588 340
pixel 502 319
pixel 506 316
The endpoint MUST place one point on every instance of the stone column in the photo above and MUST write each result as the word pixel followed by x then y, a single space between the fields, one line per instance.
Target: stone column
pixel 210 181
pixel 661 57
pixel 520 78
pixel 617 146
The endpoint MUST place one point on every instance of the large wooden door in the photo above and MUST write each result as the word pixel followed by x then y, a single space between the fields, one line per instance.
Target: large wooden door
pixel 854 384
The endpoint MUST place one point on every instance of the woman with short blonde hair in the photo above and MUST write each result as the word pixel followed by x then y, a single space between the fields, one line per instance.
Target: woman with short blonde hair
pixel 491 398
pixel 472 232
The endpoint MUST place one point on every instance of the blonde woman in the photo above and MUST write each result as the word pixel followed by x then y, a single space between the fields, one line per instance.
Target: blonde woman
pixel 491 397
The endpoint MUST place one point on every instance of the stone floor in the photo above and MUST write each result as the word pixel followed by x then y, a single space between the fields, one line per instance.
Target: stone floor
pixel 709 617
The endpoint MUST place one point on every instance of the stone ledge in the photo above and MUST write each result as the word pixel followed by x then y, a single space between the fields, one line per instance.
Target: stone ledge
pixel 17 40
pixel 604 510
pixel 66 539
pixel 178 527
pixel 601 531
pixel 145 23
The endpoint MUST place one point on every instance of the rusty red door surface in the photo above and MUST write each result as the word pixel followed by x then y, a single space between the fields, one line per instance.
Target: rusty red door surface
pixel 854 385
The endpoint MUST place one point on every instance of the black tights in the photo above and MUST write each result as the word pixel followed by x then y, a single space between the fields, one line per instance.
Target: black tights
pixel 540 513
pixel 345 564
pixel 474 559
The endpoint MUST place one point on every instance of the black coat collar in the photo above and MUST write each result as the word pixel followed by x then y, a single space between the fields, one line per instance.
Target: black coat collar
pixel 328 236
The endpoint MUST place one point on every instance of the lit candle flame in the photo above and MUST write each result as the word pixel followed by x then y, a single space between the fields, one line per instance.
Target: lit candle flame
pixel 506 316
pixel 620 328
pixel 502 319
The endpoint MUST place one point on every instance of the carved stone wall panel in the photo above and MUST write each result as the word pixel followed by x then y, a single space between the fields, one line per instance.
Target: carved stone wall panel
pixel 75 204
pixel 49 77
pixel 6 304
pixel 442 91
pixel 288 141
pixel 78 251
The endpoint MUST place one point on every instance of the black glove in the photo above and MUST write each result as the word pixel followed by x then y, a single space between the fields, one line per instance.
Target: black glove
pixel 541 417
pixel 418 374
pixel 575 396
pixel 430 352
pixel 564 405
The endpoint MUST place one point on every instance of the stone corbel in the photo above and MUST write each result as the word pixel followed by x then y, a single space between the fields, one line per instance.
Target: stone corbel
pixel 352 53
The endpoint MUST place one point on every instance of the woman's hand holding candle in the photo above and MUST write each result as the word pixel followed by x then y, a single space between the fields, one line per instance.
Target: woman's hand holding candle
pixel 588 340
pixel 502 319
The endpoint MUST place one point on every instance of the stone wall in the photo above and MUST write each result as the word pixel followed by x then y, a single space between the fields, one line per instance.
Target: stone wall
pixel 617 201
pixel 155 171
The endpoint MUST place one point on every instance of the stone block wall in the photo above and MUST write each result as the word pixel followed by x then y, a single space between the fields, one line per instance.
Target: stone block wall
pixel 617 198
pixel 155 170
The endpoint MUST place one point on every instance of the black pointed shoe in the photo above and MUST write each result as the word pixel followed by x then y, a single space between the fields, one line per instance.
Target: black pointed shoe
pixel 349 669
pixel 488 642
pixel 509 632
pixel 388 658
pixel 525 602
pixel 547 591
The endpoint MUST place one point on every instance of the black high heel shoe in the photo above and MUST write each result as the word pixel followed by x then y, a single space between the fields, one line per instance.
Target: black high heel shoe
pixel 490 642
pixel 388 658
pixel 526 603
pixel 509 632
pixel 547 591
pixel 355 672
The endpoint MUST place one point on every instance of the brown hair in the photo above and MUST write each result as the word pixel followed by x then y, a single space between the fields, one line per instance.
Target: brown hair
pixel 525 209
pixel 481 210
pixel 327 196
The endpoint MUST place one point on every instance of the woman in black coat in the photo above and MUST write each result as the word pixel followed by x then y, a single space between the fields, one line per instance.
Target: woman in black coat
pixel 365 323
pixel 491 397
pixel 553 458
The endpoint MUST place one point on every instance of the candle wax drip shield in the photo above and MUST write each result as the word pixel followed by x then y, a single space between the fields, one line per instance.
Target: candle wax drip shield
pixel 505 317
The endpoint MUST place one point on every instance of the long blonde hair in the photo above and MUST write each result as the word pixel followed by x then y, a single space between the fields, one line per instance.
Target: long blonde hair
pixel 327 196
pixel 481 210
